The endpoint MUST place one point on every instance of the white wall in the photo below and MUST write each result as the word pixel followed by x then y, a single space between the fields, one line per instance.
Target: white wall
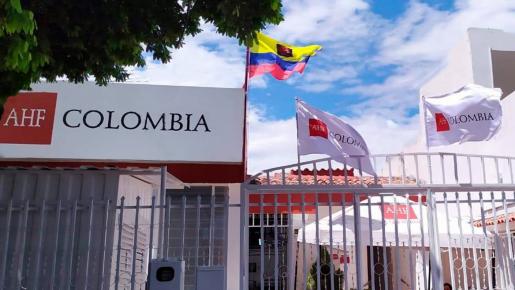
pixel 233 243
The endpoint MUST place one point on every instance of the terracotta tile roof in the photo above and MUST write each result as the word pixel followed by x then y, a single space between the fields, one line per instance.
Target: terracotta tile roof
pixel 292 179
pixel 501 219
pixel 325 172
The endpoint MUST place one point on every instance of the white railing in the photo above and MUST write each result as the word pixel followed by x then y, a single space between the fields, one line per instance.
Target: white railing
pixel 410 169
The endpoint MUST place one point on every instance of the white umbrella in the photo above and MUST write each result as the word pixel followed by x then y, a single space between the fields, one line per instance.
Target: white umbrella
pixel 452 231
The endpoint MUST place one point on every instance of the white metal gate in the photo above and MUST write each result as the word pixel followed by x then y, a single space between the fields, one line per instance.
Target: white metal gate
pixel 426 219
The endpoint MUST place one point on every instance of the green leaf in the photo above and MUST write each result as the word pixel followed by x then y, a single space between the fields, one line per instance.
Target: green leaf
pixel 76 38
pixel 16 4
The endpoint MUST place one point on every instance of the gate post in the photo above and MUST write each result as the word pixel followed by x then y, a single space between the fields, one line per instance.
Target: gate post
pixel 244 231
pixel 435 259
pixel 357 241
pixel 162 197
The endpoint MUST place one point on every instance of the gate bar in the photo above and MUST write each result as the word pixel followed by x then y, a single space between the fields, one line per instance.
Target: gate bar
pixel 317 242
pixel 371 246
pixel 151 243
pixel 39 245
pixel 396 234
pixel 21 257
pixel 261 244
pixel 331 240
pixel 276 246
pixel 357 242
pixel 474 252
pixel 291 261
pixel 88 244
pixel 183 232
pixel 304 262
pixel 162 213
pixel 211 226
pixel 166 228
pixel 434 248
pixel 104 244
pixel 498 251
pixel 462 251
pixel 3 268
pixel 485 242
pixel 423 251
pixel 56 243
pixel 72 244
pixel 197 242
pixel 511 266
pixel 119 246
pixel 449 252
pixel 385 256
pixel 135 244
pixel 344 224
pixel 410 249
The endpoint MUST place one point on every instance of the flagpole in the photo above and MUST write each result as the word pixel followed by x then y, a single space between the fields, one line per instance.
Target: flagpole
pixel 425 123
pixel 297 122
pixel 246 83
pixel 246 93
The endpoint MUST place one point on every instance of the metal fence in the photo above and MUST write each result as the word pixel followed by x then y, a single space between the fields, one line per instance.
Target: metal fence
pixel 107 244
pixel 424 220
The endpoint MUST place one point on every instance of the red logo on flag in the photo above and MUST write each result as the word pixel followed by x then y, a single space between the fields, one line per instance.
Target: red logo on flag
pixel 403 212
pixel 283 50
pixel 441 123
pixel 28 118
pixel 318 128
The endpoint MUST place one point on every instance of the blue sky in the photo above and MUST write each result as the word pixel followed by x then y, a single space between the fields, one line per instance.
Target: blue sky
pixel 376 56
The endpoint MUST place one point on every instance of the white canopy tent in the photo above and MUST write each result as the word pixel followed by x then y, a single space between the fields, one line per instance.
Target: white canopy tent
pixel 411 218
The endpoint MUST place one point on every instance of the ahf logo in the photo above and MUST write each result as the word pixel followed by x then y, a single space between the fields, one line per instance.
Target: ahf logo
pixel 441 123
pixel 318 128
pixel 28 119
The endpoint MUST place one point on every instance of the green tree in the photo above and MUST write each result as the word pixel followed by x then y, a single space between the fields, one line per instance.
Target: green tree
pixel 325 273
pixel 80 38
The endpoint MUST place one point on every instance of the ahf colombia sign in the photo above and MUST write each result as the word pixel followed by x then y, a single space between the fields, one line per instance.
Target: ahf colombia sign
pixel 124 122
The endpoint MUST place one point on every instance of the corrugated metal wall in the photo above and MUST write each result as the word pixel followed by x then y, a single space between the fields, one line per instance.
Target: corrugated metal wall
pixel 55 225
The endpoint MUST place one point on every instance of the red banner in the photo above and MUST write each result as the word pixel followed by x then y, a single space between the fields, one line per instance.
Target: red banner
pixel 403 212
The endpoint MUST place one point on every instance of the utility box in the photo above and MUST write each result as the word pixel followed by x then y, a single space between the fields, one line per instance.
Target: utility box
pixel 212 278
pixel 166 274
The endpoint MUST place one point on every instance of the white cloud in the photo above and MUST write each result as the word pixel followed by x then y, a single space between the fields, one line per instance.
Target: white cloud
pixel 426 34
pixel 194 65
pixel 322 20
pixel 271 142
pixel 345 30
pixel 207 59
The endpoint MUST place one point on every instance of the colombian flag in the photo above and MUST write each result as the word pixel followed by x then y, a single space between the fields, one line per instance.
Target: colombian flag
pixel 268 55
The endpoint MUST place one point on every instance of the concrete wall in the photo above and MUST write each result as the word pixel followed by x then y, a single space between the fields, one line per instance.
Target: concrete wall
pixel 233 240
